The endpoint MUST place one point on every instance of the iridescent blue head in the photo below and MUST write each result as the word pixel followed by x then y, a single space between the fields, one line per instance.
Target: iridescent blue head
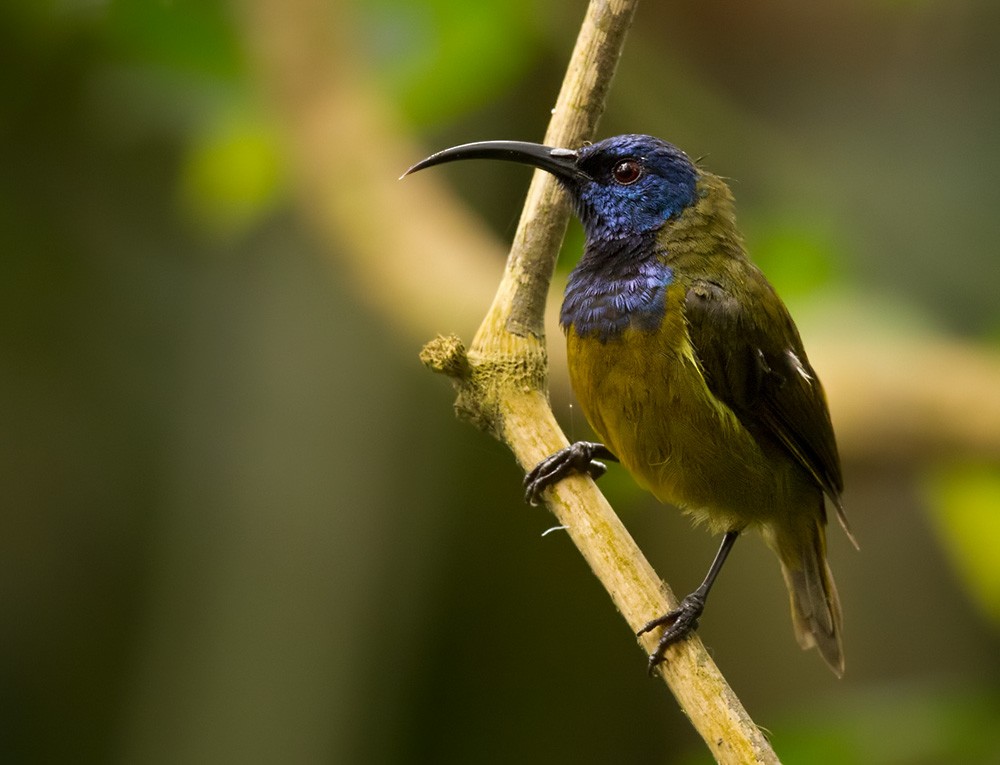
pixel 625 189
pixel 633 184
pixel 621 186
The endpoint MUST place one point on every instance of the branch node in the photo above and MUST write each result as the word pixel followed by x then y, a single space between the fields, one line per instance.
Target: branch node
pixel 446 355
pixel 484 379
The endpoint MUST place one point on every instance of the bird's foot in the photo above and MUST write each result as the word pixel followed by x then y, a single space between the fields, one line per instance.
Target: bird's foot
pixel 679 623
pixel 581 457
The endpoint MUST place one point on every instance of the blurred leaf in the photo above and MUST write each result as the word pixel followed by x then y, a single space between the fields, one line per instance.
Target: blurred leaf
pixel 965 505
pixel 442 57
pixel 897 725
pixel 892 724
pixel 194 35
pixel 798 256
pixel 232 174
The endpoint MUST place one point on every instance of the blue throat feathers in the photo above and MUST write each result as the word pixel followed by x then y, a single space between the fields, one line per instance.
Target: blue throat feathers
pixel 617 283
pixel 622 279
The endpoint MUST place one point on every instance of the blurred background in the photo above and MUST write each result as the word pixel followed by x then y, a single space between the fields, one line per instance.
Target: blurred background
pixel 240 522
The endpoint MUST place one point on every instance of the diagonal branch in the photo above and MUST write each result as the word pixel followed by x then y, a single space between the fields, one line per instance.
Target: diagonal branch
pixel 501 387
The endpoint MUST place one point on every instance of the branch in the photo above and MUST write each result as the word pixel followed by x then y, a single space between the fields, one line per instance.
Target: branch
pixel 501 388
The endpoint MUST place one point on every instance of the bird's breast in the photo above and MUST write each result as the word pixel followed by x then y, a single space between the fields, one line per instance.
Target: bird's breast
pixel 627 371
pixel 643 391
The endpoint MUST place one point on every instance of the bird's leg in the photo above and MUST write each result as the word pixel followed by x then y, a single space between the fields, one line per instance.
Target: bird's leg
pixel 581 457
pixel 683 620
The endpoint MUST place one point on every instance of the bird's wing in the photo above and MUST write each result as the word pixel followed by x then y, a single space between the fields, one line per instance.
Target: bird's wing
pixel 753 361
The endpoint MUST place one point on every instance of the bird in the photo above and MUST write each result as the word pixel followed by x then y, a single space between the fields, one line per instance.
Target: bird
pixel 690 370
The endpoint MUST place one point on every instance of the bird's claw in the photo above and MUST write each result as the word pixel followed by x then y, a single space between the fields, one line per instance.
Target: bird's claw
pixel 575 458
pixel 679 623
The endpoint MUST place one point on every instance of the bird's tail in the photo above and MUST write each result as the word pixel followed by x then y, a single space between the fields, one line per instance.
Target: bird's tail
pixel 815 605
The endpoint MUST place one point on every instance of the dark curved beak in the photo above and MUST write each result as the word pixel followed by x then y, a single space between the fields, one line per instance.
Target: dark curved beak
pixel 560 162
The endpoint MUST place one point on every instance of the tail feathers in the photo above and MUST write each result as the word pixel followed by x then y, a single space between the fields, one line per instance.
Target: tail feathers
pixel 842 517
pixel 815 605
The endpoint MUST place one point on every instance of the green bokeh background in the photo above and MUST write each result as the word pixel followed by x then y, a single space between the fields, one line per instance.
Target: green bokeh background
pixel 239 523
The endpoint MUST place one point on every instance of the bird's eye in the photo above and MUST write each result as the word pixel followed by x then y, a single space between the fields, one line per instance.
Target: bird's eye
pixel 627 171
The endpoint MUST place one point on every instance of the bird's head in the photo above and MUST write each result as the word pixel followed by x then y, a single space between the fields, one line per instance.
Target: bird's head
pixel 621 186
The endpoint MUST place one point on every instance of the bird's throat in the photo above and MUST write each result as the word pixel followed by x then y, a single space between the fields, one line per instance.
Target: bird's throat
pixel 617 284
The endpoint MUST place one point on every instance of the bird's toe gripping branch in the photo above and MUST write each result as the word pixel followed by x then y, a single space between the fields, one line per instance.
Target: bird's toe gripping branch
pixel 679 623
pixel 580 457
pixel 683 620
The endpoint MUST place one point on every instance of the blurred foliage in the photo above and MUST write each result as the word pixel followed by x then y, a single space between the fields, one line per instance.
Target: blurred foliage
pixel 188 37
pixel 965 499
pixel 232 175
pixel 799 256
pixel 240 523
pixel 897 725
pixel 441 58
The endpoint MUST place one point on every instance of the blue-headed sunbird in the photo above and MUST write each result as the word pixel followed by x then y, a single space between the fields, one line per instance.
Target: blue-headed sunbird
pixel 690 369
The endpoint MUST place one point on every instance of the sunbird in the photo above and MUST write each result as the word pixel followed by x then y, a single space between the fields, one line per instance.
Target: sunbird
pixel 689 368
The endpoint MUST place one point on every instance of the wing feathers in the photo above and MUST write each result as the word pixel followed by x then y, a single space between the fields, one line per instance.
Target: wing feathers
pixel 754 362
